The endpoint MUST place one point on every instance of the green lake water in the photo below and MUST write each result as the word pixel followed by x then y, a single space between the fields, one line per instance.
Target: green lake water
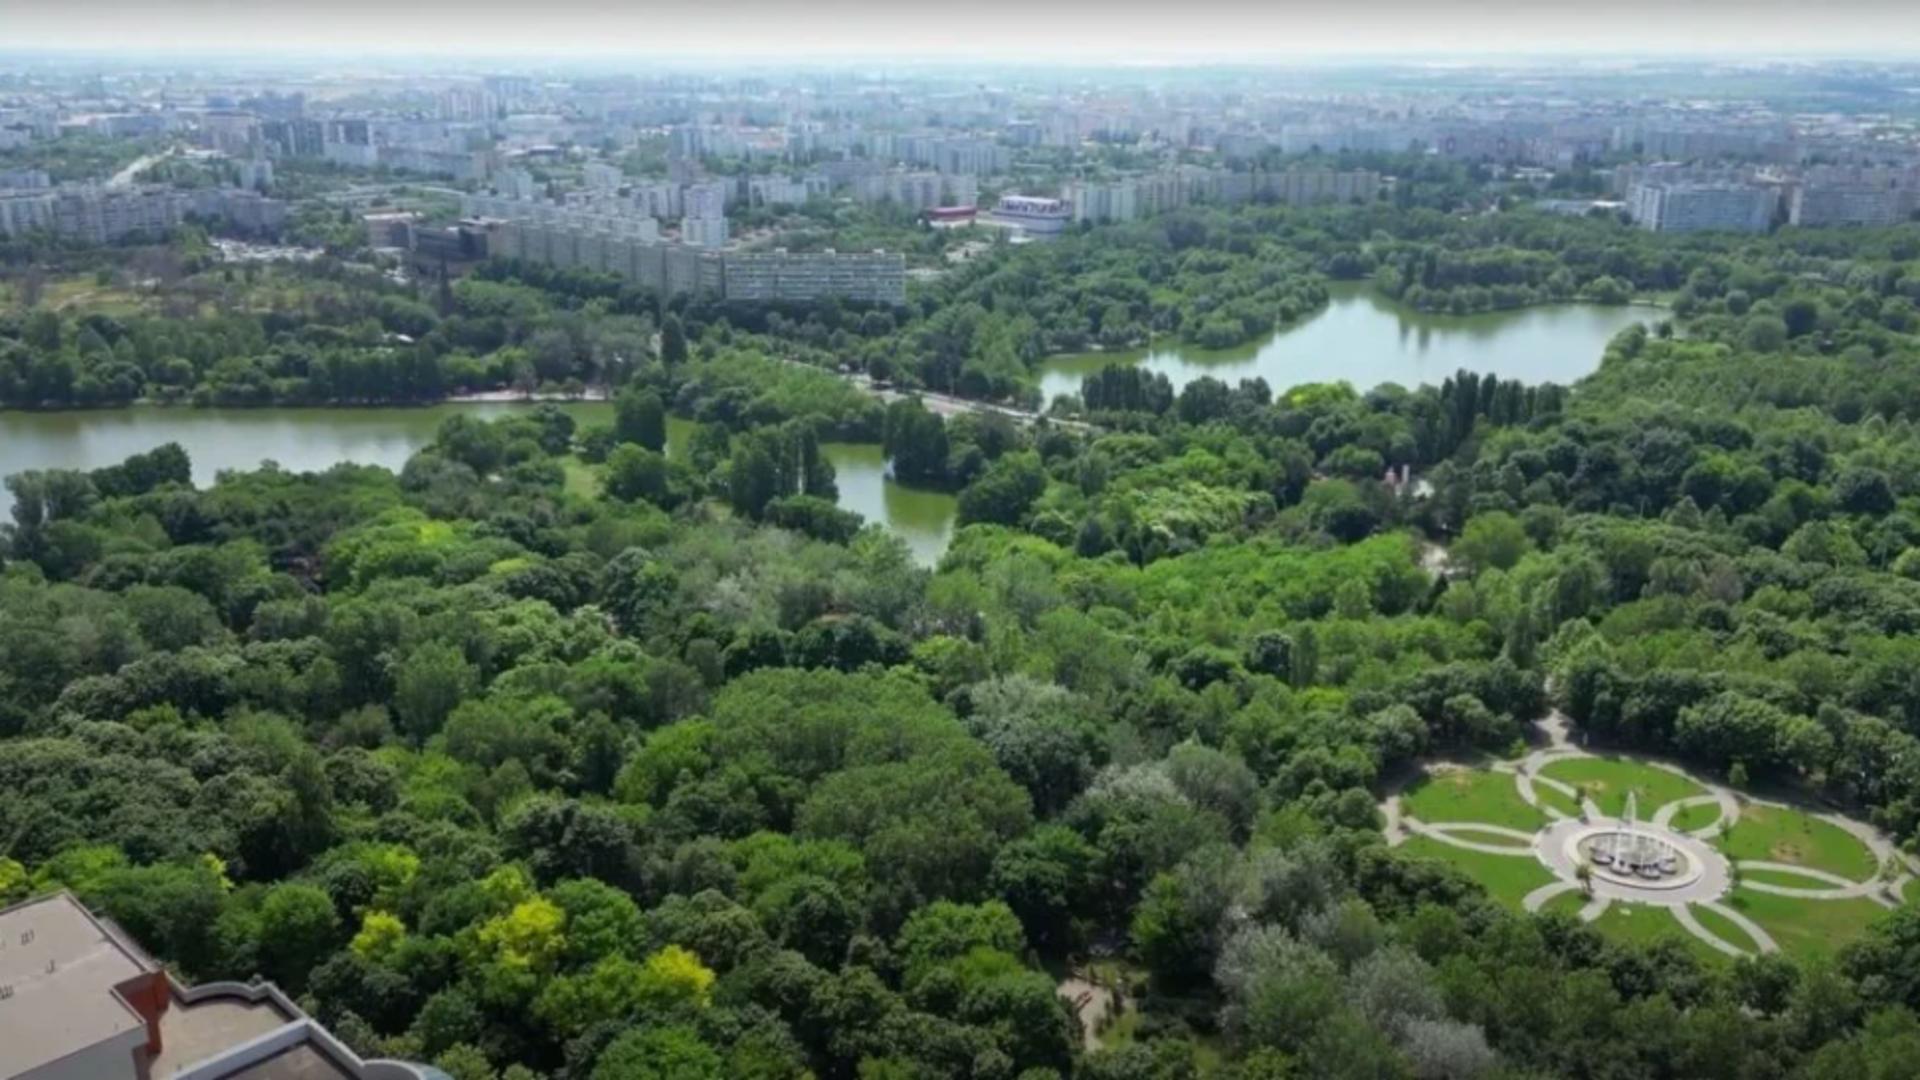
pixel 1359 337
pixel 311 440
pixel 1365 339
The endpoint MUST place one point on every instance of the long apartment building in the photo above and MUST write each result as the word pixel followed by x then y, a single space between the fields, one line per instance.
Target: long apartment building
pixel 95 215
pixel 873 277
pixel 1131 198
pixel 917 191
pixel 1684 208
pixel 630 246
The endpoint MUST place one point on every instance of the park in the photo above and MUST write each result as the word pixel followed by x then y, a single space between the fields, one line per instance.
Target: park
pixel 1644 850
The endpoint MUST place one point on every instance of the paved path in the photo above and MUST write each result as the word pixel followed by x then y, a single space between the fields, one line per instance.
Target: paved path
pixel 944 404
pixel 1754 930
pixel 1527 775
pixel 1595 908
pixel 1395 829
pixel 1440 833
pixel 1716 796
pixel 1693 926
pixel 1558 728
pixel 125 176
pixel 1874 888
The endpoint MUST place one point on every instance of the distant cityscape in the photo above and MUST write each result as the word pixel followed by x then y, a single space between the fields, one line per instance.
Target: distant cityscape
pixel 550 170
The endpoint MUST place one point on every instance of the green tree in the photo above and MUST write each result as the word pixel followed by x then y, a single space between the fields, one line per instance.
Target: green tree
pixel 433 679
pixel 639 416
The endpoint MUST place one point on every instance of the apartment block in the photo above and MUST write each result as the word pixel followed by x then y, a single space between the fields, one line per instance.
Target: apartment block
pixel 779 275
pixel 79 1000
pixel 1682 208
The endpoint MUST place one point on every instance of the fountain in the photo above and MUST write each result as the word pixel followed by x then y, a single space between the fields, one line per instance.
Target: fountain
pixel 1627 850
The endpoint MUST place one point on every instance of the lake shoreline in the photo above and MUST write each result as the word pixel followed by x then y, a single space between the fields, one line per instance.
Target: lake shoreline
pixel 1367 339
pixel 596 396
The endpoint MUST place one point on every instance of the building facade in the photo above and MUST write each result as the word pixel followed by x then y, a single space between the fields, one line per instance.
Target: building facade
pixel 79 1000
pixel 1684 208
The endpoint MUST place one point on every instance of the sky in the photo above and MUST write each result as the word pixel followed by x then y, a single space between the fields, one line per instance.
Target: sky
pixel 1078 30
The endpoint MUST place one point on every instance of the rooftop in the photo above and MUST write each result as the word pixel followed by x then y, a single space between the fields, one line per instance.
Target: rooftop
pixel 191 1033
pixel 59 970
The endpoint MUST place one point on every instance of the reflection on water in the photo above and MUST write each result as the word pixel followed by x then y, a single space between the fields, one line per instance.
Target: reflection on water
pixel 311 440
pixel 1366 339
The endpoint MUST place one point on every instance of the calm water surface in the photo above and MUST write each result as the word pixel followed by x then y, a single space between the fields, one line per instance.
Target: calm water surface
pixel 1359 337
pixel 312 440
pixel 1367 340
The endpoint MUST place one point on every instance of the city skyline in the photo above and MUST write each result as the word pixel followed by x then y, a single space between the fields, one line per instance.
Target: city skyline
pixel 762 30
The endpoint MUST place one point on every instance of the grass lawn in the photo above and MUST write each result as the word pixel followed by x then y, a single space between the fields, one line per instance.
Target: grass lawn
pixel 1471 795
pixel 1645 924
pixel 1696 817
pixel 1798 839
pixel 1484 836
pixel 1806 929
pixel 1567 903
pixel 1776 877
pixel 1725 929
pixel 1608 780
pixel 1552 797
pixel 1508 878
pixel 582 479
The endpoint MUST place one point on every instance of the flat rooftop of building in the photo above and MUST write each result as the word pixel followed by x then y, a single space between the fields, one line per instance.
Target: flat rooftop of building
pixel 58 970
pixel 190 1034
pixel 301 1061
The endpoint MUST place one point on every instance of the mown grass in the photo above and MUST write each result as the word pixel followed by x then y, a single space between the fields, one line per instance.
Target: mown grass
pixel 1608 781
pixel 1471 795
pixel 1807 929
pixel 1507 878
pixel 1691 818
pixel 1647 924
pixel 1782 835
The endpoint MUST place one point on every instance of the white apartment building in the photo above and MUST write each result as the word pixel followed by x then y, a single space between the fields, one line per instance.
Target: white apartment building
pixel 784 190
pixel 516 184
pixel 600 176
pixel 704 232
pixel 779 275
pixel 1816 205
pixel 1680 208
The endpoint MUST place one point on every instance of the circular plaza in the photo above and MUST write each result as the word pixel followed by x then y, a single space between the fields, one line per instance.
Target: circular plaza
pixel 1643 849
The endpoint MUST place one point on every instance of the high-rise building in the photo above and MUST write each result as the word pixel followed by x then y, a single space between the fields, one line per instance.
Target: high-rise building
pixel 705 222
pixel 516 184
pixel 468 104
pixel 1681 208
pixel 1815 205
pixel 602 177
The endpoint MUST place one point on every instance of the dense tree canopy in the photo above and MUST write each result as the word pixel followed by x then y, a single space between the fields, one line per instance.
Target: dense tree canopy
pixel 695 776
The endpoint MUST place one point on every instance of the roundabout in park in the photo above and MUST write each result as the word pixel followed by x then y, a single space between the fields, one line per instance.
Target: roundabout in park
pixel 1637 846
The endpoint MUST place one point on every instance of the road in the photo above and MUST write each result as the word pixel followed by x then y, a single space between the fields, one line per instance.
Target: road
pixel 125 176
pixel 946 404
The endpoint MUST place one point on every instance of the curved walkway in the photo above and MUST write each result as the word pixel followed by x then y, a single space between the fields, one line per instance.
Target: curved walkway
pixel 1551 845
pixel 1693 926
pixel 1527 774
pixel 1440 833
pixel 1716 796
pixel 1753 929
pixel 1837 887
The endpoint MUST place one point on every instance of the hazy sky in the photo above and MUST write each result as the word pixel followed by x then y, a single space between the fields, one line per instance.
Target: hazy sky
pixel 1119 30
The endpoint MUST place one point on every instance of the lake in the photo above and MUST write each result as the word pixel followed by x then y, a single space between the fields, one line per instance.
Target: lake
pixel 312 440
pixel 1367 339
pixel 1359 337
